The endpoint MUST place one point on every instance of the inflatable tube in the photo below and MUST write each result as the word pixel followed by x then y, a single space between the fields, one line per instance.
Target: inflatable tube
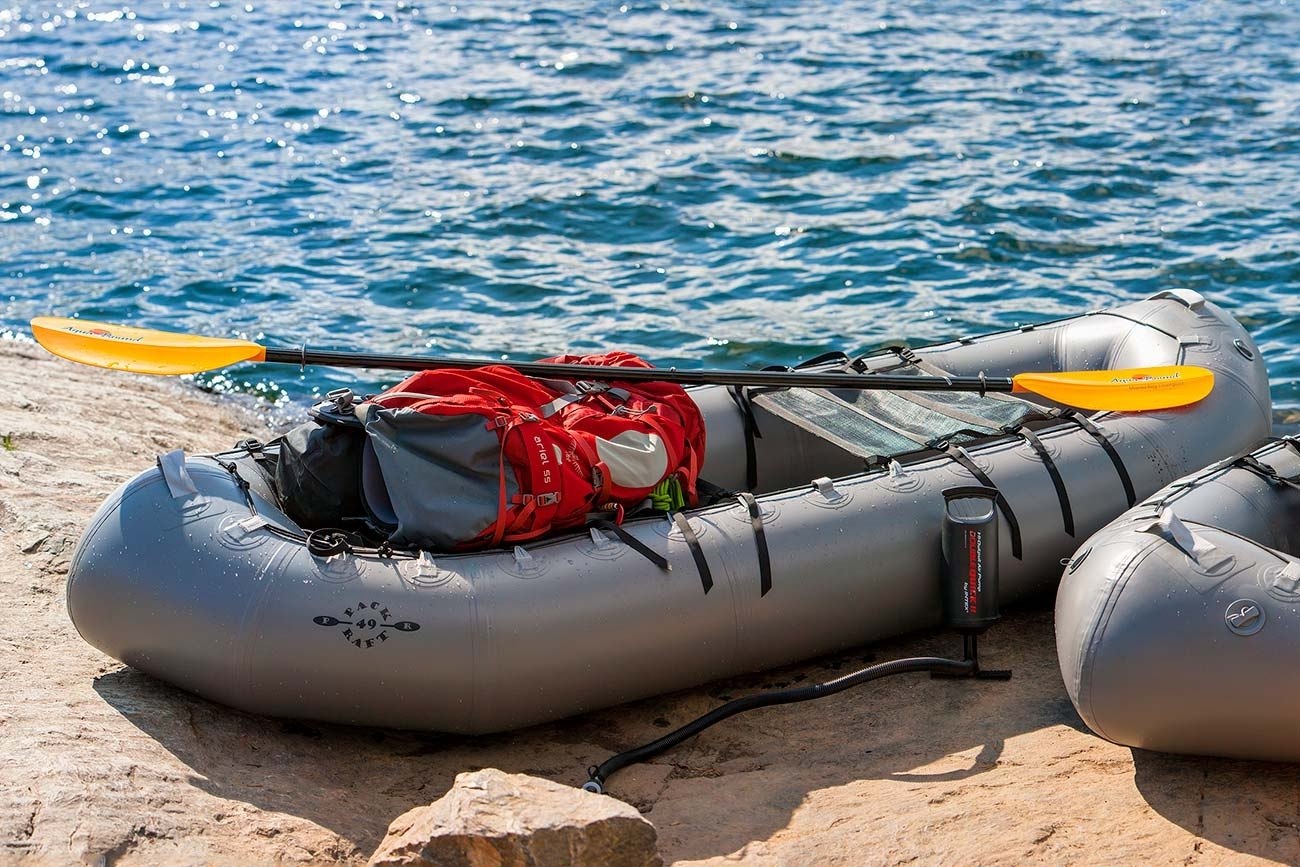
pixel 1178 624
pixel 193 574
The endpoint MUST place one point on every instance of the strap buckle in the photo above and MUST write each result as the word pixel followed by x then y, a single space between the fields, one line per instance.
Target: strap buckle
pixel 547 499
pixel 328 542
pixel 902 350
pixel 342 398
pixel 590 386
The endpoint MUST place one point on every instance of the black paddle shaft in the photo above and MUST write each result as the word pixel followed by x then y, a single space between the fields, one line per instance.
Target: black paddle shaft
pixel 748 378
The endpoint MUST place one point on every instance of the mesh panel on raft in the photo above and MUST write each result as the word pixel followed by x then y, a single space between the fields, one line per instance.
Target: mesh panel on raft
pixel 882 424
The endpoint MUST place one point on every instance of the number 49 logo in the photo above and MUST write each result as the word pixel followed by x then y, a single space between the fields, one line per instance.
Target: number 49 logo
pixel 366 624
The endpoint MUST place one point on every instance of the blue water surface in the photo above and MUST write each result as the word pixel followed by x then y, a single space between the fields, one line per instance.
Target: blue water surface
pixel 704 183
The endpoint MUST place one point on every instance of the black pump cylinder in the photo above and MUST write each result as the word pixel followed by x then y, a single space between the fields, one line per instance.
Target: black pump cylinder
pixel 970 558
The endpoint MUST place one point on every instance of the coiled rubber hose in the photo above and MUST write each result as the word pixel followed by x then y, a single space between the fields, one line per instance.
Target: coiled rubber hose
pixel 953 667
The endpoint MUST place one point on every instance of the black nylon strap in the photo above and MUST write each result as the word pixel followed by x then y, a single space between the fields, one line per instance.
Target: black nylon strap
pixel 906 355
pixel 635 544
pixel 1062 496
pixel 1263 470
pixel 902 351
pixel 1244 459
pixel 693 542
pixel 1248 461
pixel 834 356
pixel 742 400
pixel 1104 441
pixel 961 456
pixel 942 443
pixel 1249 451
pixel 760 539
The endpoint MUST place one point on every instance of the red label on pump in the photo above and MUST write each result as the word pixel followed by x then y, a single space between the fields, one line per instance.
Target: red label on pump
pixel 974 542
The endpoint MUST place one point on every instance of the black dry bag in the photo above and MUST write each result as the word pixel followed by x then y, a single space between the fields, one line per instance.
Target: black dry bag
pixel 318 474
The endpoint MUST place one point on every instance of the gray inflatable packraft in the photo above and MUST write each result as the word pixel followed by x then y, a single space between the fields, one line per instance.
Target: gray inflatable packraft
pixel 1178 624
pixel 192 573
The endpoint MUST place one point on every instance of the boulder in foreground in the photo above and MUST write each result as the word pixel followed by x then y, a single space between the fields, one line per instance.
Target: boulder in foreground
pixel 493 818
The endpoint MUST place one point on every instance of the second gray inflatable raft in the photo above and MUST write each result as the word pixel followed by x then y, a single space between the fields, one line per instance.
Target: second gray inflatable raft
pixel 1178 624
pixel 192 573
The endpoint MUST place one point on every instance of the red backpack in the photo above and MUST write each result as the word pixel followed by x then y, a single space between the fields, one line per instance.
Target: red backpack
pixel 456 460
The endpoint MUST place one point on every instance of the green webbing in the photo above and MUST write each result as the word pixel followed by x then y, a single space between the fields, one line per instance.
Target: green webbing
pixel 668 495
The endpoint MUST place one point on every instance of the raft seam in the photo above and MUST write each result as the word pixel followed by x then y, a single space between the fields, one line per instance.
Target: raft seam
pixel 243 657
pixel 1265 411
pixel 733 588
pixel 1250 503
pixel 101 516
pixel 1169 473
pixel 474 652
pixel 1101 619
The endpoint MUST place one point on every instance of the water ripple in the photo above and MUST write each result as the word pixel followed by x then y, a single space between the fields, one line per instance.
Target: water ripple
pixel 723 185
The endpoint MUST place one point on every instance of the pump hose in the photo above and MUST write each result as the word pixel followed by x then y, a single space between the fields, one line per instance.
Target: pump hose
pixel 598 775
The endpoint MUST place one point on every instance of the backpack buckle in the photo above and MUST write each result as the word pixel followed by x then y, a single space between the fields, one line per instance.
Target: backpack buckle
pixel 548 499
pixel 342 398
pixel 589 386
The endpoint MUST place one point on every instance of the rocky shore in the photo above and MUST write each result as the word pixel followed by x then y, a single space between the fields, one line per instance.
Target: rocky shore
pixel 100 764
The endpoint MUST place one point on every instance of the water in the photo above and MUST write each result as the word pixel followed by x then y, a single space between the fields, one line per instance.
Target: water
pixel 704 184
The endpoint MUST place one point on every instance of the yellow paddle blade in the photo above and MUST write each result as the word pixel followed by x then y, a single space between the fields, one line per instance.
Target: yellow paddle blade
pixel 139 350
pixel 1131 390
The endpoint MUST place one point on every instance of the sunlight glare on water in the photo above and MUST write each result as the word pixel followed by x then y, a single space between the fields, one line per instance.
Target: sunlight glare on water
pixel 720 185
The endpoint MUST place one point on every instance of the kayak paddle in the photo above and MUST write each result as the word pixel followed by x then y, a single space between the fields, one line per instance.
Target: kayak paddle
pixel 165 353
